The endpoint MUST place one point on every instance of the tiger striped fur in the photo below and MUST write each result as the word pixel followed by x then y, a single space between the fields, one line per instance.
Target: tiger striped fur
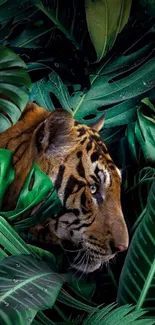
pixel 76 159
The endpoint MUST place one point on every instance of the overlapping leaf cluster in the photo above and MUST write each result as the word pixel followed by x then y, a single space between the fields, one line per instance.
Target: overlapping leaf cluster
pixel 73 64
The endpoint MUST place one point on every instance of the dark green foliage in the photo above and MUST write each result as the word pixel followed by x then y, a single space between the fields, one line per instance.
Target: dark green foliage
pixel 51 39
pixel 42 190
pixel 14 84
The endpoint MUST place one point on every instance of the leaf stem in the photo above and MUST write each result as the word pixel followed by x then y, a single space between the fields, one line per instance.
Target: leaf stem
pixel 51 15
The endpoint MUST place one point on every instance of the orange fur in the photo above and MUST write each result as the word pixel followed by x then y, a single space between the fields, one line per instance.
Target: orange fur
pixel 74 156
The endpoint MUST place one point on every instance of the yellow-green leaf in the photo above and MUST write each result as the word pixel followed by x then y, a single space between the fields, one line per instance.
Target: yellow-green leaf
pixel 105 20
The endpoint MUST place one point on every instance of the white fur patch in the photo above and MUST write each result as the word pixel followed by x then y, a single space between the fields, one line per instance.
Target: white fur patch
pixel 119 173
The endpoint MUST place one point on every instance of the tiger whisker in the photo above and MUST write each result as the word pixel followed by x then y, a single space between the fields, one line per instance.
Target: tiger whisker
pixel 71 251
pixel 81 262
pixel 74 265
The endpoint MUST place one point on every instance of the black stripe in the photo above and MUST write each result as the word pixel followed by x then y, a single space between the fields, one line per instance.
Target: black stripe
pixel 69 189
pixel 75 222
pixel 74 211
pixel 96 171
pixel 95 156
pixel 89 146
pixel 79 154
pixel 83 199
pixel 103 147
pixel 85 210
pixel 76 123
pixel 80 169
pixel 83 141
pixel 95 179
pixel 84 225
pixel 59 178
pixel 81 131
pixel 111 166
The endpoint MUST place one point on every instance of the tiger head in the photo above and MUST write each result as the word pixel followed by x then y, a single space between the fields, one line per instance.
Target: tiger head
pixel 88 184
pixel 76 159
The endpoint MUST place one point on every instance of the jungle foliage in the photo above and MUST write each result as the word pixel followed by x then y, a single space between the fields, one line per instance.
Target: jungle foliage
pixel 89 58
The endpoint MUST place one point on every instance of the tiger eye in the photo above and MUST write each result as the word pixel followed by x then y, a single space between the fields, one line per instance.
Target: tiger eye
pixel 93 188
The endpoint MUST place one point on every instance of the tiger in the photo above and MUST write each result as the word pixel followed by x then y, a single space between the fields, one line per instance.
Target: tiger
pixel 88 183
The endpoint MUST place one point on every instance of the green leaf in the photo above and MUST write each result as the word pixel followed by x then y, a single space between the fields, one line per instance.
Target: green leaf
pixel 7 173
pixel 104 23
pixel 42 18
pixel 10 241
pixel 65 298
pixel 9 9
pixel 109 87
pixel 42 253
pixel 137 282
pixel 132 140
pixel 14 245
pixel 63 20
pixel 137 194
pixel 27 283
pixel 41 191
pixel 145 132
pixel 14 84
pixel 124 315
pixel 19 318
pixel 82 287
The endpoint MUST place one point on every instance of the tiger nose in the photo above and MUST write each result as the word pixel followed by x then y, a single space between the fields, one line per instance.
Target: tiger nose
pixel 117 248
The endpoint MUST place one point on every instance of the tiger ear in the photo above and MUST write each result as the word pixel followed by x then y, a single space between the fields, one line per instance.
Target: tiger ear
pixel 54 134
pixel 98 125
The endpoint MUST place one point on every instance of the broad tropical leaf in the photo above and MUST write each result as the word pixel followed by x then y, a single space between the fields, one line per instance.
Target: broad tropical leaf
pixel 141 135
pixel 144 129
pixel 7 173
pixel 124 315
pixel 66 298
pixel 43 18
pixel 14 85
pixel 137 194
pixel 138 275
pixel 42 190
pixel 110 87
pixel 27 283
pixel 19 318
pixel 11 243
pixel 105 23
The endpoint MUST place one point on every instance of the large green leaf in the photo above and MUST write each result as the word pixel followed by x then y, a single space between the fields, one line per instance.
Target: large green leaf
pixel 105 23
pixel 7 173
pixel 14 84
pixel 145 130
pixel 42 18
pixel 19 318
pixel 137 193
pixel 124 315
pixel 115 83
pixel 11 243
pixel 42 190
pixel 27 283
pixel 138 275
pixel 141 135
